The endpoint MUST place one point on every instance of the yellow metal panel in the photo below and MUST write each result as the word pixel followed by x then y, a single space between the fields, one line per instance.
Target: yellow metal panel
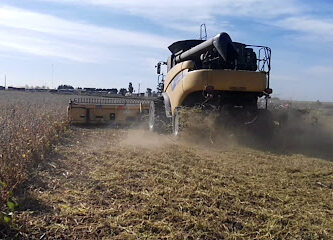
pixel 175 70
pixel 77 113
pixel 221 80
pixel 225 80
pixel 231 80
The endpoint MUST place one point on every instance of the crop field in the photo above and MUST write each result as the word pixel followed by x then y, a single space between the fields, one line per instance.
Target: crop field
pixel 127 183
pixel 29 125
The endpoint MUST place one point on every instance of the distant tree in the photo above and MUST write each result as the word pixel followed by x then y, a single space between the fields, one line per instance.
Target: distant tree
pixel 123 91
pixel 149 91
pixel 65 87
pixel 113 90
pixel 130 88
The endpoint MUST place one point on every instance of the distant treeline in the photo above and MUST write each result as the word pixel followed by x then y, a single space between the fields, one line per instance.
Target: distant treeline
pixel 13 88
pixel 70 89
pixel 59 89
pixel 67 89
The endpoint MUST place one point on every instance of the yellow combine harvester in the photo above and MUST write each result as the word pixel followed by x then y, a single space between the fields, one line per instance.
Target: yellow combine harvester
pixel 216 75
pixel 119 111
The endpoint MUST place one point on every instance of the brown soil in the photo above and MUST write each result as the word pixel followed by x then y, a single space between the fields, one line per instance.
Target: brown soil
pixel 131 184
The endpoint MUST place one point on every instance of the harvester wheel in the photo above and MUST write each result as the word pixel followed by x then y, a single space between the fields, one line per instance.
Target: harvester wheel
pixel 177 122
pixel 187 119
pixel 264 125
pixel 158 122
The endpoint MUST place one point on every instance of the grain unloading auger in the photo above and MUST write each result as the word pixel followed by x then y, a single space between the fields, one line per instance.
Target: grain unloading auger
pixel 119 111
pixel 214 75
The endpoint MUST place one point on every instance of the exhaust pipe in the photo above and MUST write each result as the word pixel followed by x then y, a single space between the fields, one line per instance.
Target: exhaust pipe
pixel 222 43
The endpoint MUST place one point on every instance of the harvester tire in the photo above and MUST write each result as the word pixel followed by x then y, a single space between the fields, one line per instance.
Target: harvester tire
pixel 177 123
pixel 158 121
pixel 264 125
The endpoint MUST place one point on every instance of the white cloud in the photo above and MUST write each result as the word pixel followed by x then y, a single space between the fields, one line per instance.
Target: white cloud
pixel 196 10
pixel 187 15
pixel 47 48
pixel 320 71
pixel 46 35
pixel 314 27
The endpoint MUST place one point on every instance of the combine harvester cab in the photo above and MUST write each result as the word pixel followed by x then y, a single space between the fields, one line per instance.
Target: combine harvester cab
pixel 115 111
pixel 216 75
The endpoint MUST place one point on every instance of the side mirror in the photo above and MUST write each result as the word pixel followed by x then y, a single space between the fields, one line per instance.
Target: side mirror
pixel 158 68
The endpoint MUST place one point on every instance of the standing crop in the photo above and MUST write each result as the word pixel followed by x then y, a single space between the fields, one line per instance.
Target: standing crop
pixel 29 124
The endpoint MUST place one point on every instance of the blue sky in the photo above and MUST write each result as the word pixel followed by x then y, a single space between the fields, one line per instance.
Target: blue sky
pixel 108 43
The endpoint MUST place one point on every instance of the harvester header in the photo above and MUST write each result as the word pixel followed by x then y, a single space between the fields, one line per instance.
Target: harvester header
pixel 120 111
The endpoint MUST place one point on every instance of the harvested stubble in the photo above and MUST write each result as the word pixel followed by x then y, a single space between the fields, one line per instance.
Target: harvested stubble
pixel 29 124
pixel 118 184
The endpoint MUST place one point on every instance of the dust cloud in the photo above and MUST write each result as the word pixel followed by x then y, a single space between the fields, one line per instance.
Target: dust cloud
pixel 146 139
pixel 305 132
pixel 294 132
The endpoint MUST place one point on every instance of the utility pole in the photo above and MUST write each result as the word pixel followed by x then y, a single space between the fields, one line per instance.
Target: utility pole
pixel 5 81
pixel 139 89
